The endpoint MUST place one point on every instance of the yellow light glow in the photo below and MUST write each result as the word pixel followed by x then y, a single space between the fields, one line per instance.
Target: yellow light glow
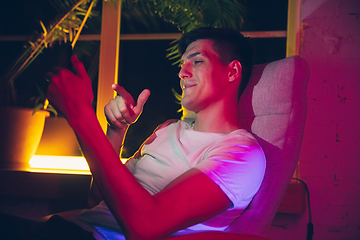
pixel 60 164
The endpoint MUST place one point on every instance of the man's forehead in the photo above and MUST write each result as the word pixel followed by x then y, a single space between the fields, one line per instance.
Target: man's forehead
pixel 198 47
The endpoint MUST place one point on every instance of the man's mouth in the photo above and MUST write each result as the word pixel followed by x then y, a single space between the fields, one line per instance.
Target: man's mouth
pixel 188 85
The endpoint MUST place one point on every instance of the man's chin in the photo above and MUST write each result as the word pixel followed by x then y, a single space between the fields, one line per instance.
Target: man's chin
pixel 190 102
pixel 186 104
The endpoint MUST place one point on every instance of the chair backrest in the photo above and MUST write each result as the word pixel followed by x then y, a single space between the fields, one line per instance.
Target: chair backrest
pixel 273 107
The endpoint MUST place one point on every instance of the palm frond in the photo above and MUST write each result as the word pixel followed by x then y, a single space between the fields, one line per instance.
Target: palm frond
pixel 189 14
pixel 64 28
pixel 227 14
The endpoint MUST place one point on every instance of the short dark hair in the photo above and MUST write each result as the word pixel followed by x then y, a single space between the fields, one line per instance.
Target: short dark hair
pixel 229 44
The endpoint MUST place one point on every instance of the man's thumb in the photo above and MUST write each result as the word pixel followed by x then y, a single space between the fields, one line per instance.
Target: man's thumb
pixel 143 97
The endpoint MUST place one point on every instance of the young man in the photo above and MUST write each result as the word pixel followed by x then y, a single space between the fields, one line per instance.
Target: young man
pixel 193 176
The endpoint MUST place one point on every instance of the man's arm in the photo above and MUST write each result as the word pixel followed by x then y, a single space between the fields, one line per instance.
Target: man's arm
pixel 115 111
pixel 189 199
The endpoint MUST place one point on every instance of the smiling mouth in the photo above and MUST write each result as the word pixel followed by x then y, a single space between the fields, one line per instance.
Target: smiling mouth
pixel 186 86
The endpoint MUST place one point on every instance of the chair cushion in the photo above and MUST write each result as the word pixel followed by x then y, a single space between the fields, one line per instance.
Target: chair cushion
pixel 273 108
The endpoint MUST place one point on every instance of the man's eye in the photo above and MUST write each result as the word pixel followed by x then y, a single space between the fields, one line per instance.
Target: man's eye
pixel 197 62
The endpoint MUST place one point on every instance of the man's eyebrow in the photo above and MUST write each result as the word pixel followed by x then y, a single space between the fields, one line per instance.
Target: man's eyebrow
pixel 190 56
pixel 193 55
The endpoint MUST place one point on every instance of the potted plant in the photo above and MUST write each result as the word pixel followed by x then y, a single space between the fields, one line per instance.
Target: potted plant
pixel 23 105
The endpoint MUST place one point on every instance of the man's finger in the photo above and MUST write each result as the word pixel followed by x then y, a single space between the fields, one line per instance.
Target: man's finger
pixel 79 67
pixel 143 97
pixel 128 99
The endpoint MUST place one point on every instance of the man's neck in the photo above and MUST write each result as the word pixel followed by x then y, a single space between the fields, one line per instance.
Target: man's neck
pixel 221 118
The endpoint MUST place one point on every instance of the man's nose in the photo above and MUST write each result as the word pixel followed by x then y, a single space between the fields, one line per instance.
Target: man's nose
pixel 184 73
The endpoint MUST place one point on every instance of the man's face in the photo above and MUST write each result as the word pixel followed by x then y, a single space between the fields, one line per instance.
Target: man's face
pixel 202 76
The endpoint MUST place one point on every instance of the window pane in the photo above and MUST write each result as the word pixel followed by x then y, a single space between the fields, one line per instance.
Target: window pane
pixel 265 15
pixel 268 49
pixel 143 64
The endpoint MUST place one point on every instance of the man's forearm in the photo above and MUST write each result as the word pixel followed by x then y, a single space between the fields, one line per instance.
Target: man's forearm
pixel 116 138
pixel 118 187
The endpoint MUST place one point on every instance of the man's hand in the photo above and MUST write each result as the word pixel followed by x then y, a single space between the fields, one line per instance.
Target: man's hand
pixel 122 111
pixel 70 93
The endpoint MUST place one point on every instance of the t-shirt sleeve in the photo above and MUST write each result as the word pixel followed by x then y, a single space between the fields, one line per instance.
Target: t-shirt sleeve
pixel 237 166
pixel 130 164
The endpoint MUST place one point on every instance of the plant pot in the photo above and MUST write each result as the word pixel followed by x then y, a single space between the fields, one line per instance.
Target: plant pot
pixel 58 139
pixel 20 132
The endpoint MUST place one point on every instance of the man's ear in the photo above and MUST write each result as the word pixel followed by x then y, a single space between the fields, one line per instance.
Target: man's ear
pixel 235 70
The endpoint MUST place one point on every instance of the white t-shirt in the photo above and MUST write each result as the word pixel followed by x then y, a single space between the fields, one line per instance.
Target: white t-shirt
pixel 234 161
